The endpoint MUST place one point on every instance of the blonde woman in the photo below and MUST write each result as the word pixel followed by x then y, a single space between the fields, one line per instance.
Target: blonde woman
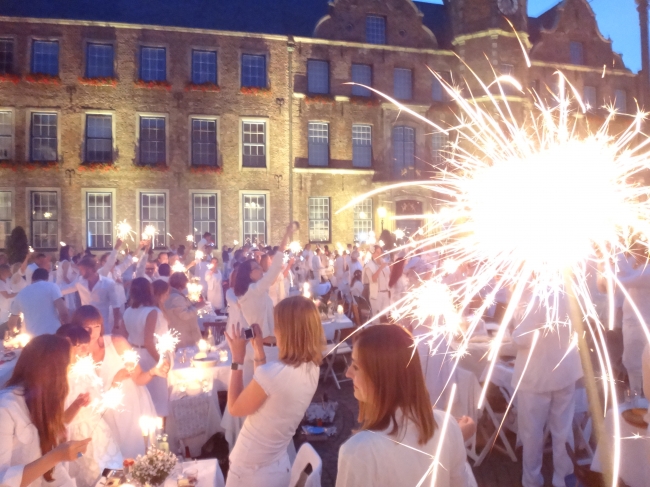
pixel 276 399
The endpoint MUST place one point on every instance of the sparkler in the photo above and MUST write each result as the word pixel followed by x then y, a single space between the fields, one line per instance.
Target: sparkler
pixel 123 230
pixel 295 247
pixel 198 255
pixel 84 370
pixel 190 238
pixel 533 206
pixel 111 399
pixel 131 358
pixel 166 343
pixel 149 232
pixel 194 291
pixel 178 267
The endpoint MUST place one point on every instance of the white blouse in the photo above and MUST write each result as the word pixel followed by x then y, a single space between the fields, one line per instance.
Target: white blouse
pixel 19 444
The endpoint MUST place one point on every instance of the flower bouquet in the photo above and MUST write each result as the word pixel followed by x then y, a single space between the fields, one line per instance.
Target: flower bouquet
pixel 154 467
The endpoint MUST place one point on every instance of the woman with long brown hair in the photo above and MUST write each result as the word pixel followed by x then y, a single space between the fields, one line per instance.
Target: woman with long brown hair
pixel 32 417
pixel 277 397
pixel 400 433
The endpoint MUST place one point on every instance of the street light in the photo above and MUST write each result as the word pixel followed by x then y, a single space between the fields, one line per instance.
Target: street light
pixel 381 212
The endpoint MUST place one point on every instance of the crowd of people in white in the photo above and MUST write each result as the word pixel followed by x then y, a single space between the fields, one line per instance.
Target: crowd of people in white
pixel 102 307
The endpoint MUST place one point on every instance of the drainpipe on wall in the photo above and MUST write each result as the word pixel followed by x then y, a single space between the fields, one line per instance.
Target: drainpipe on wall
pixel 290 48
pixel 642 8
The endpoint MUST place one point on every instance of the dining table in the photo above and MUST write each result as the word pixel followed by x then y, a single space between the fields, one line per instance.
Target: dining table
pixel 209 473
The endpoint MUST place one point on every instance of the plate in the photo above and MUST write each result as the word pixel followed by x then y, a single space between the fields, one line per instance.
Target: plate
pixel 635 416
pixel 313 430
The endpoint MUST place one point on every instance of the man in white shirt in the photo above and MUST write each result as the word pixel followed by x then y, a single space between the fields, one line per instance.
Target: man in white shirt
pixel 546 394
pixel 97 291
pixel 205 244
pixel 316 265
pixel 377 274
pixel 6 294
pixel 41 261
pixel 308 257
pixel 41 304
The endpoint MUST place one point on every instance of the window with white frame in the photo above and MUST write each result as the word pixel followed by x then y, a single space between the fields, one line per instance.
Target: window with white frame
pixel 44 219
pixel 318 76
pixel 403 83
pixel 45 57
pixel 362 74
pixel 99 220
pixel 439 141
pixel 204 142
pixel 152 140
pixel 43 137
pixel 153 212
pixel 6 135
pixel 99 138
pixel 590 97
pixel 99 60
pixel 254 213
pixel 6 216
pixel 253 71
pixel 375 29
pixel 362 220
pixel 153 63
pixel 204 67
pixel 404 152
pixel 6 56
pixel 253 144
pixel 319 219
pixel 576 53
pixel 361 145
pixel 319 149
pixel 620 101
pixel 204 215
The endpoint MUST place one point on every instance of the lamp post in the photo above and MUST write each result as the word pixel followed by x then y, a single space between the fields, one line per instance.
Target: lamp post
pixel 381 212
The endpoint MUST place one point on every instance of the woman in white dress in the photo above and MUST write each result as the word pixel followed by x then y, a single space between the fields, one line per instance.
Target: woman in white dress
pixel 400 433
pixel 66 274
pixel 108 350
pixel 102 451
pixel 214 280
pixel 275 401
pixel 32 418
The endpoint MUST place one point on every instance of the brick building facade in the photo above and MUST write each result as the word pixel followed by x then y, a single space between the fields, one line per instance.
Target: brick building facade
pixel 237 118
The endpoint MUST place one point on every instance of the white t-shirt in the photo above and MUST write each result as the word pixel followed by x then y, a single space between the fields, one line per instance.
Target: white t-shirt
pixel 267 432
pixel 5 303
pixel 375 458
pixel 36 302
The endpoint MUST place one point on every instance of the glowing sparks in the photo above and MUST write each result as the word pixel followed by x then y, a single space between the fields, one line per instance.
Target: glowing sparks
pixel 295 247
pixel 194 291
pixel 84 371
pixel 123 230
pixel 198 255
pixel 189 238
pixel 111 399
pixel 166 343
pixel 131 358
pixel 399 234
pixel 178 267
pixel 149 232
pixel 19 341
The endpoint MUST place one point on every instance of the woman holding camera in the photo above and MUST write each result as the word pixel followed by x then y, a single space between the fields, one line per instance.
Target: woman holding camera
pixel 278 395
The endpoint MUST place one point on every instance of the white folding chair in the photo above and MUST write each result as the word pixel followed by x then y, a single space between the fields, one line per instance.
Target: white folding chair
pixel 306 456
pixel 332 351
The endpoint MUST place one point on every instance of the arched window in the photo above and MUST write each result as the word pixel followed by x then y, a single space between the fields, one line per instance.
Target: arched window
pixel 403 152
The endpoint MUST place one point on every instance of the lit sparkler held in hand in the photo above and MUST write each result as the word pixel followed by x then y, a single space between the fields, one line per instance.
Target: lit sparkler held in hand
pixel 131 358
pixel 178 267
pixel 84 370
pixel 149 232
pixel 189 238
pixel 123 230
pixel 194 291
pixel 295 247
pixel 111 399
pixel 166 343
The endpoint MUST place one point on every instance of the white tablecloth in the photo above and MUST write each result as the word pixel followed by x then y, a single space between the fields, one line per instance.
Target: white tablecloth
pixel 210 474
pixel 338 323
pixel 635 450
pixel 182 376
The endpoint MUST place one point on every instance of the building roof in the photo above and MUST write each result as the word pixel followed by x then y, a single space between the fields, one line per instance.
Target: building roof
pixel 281 17
pixel 545 21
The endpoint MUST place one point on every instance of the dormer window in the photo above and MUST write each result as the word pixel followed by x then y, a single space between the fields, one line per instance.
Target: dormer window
pixel 375 29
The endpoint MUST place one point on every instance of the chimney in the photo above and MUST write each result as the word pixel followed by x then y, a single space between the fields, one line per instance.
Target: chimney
pixel 642 7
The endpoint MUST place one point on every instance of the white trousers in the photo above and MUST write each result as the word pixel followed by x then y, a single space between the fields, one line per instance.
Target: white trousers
pixel 536 410
pixel 634 341
pixel 379 304
pixel 277 474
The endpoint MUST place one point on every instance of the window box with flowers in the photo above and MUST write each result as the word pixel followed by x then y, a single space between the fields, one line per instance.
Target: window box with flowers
pixel 153 85
pixel 46 79
pixel 39 166
pixel 151 167
pixel 255 90
pixel 13 165
pixel 206 169
pixel 97 167
pixel 212 87
pixel 366 101
pixel 10 78
pixel 321 99
pixel 98 81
